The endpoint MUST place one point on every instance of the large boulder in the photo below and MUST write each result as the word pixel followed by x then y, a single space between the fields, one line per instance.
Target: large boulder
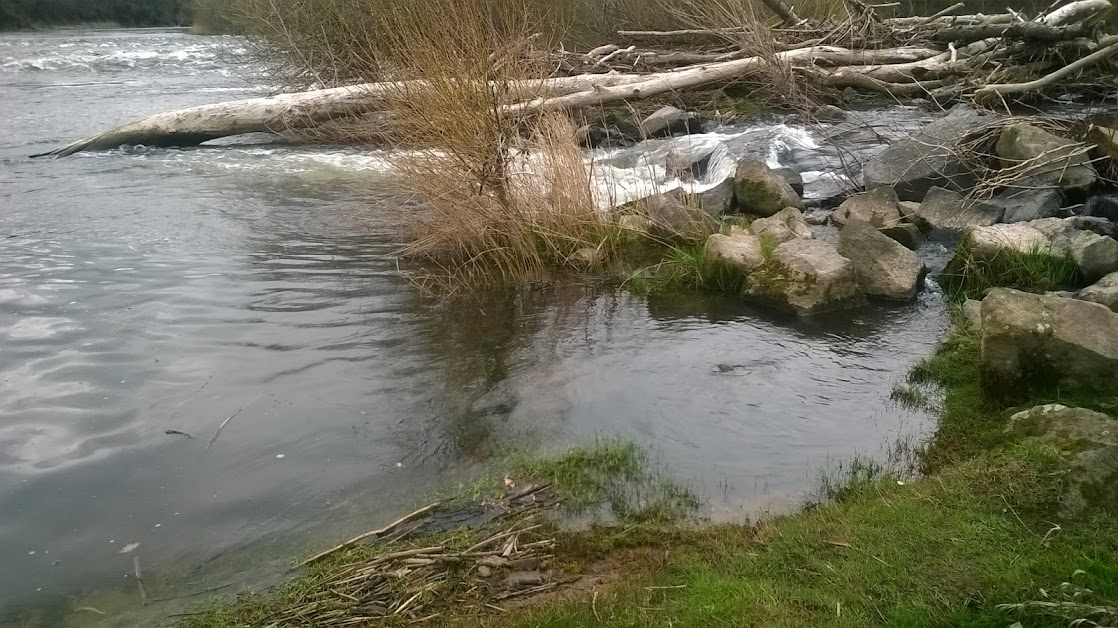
pixel 1090 440
pixel 715 201
pixel 782 226
pixel 928 158
pixel 884 267
pixel 1030 338
pixel 1104 291
pixel 738 250
pixel 761 191
pixel 877 207
pixel 1094 255
pixel 793 178
pixel 1052 160
pixel 668 121
pixel 907 234
pixel 805 276
pixel 673 218
pixel 1028 204
pixel 945 210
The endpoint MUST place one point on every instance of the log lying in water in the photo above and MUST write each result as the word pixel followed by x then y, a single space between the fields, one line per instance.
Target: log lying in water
pixel 916 70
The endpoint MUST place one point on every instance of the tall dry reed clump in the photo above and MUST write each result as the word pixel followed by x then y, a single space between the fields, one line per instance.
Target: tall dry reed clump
pixel 505 194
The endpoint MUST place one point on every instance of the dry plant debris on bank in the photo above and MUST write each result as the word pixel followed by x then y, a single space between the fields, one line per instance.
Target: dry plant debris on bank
pixel 989 59
pixel 409 575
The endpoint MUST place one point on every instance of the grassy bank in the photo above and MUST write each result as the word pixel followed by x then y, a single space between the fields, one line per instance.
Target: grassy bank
pixel 978 541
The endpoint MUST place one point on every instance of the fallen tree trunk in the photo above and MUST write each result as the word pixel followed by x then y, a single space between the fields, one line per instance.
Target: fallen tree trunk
pixel 899 72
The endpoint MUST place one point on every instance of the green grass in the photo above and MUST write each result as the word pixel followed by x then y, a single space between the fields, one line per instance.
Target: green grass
pixel 942 552
pixel 967 277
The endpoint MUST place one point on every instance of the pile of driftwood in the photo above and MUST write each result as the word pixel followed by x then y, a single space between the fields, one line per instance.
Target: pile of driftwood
pixel 384 574
pixel 986 58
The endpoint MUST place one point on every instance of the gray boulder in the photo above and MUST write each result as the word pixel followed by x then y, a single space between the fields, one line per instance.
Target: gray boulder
pixel 907 234
pixel 761 191
pixel 1031 337
pixel 805 276
pixel 1104 291
pixel 1026 205
pixel 715 201
pixel 739 250
pixel 1058 161
pixel 877 207
pixel 673 218
pixel 668 121
pixel 884 267
pixel 972 315
pixel 944 210
pixel 1090 440
pixel 928 158
pixel 793 178
pixel 782 226
pixel 1095 255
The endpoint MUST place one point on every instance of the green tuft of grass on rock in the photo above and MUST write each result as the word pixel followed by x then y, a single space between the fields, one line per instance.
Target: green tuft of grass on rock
pixel 968 277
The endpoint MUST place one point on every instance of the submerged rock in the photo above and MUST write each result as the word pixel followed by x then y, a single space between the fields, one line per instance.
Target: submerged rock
pixel 1104 292
pixel 1028 338
pixel 877 207
pixel 884 267
pixel 674 218
pixel 761 191
pixel 739 250
pixel 1090 440
pixel 914 165
pixel 805 276
pixel 945 210
pixel 668 121
pixel 1053 160
pixel 782 226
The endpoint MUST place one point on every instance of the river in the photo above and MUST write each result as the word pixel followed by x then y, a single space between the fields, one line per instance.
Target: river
pixel 143 291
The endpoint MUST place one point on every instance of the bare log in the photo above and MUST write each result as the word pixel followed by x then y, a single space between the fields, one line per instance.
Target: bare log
pixel 783 11
pixel 1076 12
pixel 989 91
pixel 1029 30
pixel 192 126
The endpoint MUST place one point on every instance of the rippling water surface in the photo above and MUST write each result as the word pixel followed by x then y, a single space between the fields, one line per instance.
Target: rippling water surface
pixel 143 291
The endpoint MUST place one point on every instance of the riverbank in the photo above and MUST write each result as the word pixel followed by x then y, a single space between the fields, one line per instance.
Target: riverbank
pixel 984 538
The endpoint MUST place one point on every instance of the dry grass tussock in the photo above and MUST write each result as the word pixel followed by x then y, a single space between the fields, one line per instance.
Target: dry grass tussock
pixel 504 195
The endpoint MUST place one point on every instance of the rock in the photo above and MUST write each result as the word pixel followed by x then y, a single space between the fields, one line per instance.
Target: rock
pixel 586 256
pixel 602 135
pixel 674 218
pixel 1094 224
pixel 484 571
pixel 1029 338
pixel 1029 204
pixel 1059 161
pixel 805 276
pixel 828 113
pixel 782 226
pixel 884 267
pixel 972 315
pixel 761 191
pixel 945 210
pixel 688 164
pixel 668 121
pixel 877 207
pixel 817 217
pixel 1102 206
pixel 793 178
pixel 715 201
pixel 633 222
pixel 907 234
pixel 1104 291
pixel 1095 255
pixel 908 210
pixel 1106 140
pixel 928 159
pixel 740 250
pixel 1090 440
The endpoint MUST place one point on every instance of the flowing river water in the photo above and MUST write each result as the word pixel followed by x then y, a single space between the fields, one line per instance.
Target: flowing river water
pixel 143 291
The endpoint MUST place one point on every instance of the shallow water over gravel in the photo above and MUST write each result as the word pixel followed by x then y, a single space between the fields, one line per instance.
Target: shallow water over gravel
pixel 152 290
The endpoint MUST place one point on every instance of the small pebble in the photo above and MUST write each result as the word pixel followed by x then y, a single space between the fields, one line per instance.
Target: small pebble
pixel 280 456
